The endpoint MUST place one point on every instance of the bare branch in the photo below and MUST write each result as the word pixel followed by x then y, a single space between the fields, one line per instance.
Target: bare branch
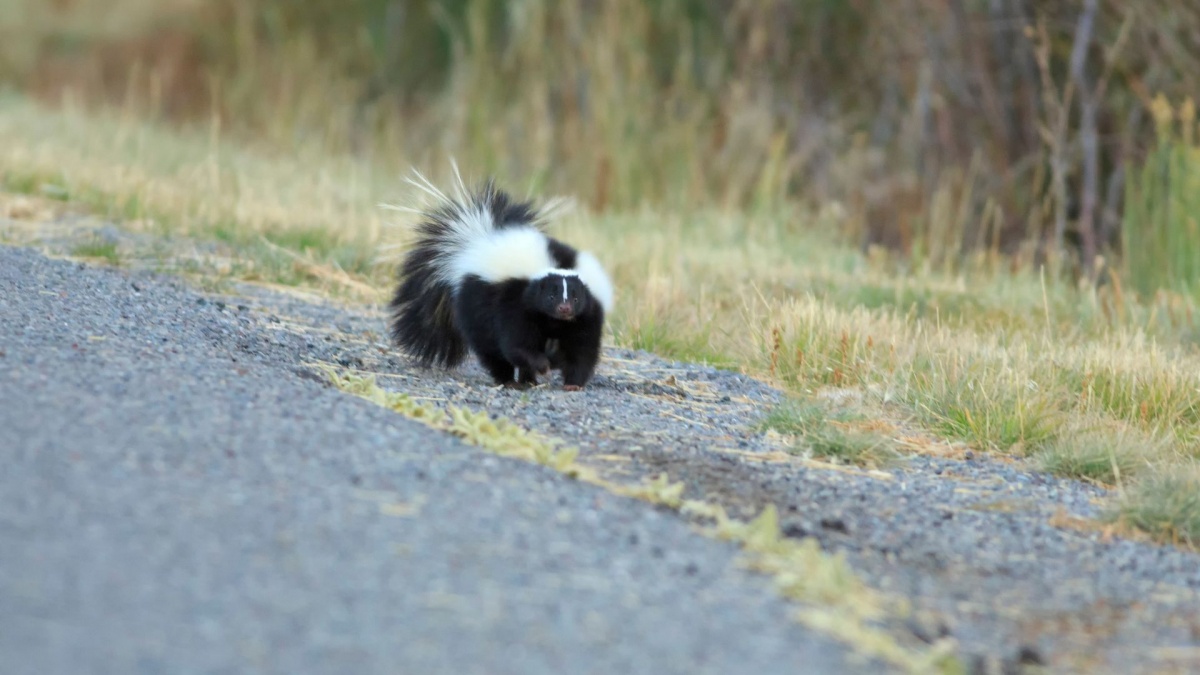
pixel 1054 130
pixel 1089 143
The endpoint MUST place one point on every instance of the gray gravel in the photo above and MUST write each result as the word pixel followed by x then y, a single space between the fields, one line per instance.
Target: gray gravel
pixel 176 497
pixel 983 550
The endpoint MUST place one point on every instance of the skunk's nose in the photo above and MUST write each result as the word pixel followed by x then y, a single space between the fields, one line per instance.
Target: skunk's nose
pixel 564 310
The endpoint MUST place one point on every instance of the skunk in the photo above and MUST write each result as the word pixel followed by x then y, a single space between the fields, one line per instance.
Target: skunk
pixel 484 277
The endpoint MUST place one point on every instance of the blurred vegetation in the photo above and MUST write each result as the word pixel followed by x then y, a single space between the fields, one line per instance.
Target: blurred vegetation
pixel 1163 204
pixel 938 127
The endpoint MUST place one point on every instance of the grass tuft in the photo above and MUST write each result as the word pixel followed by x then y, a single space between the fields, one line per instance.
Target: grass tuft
pixel 98 248
pixel 830 435
pixel 1165 504
pixel 1011 419
pixel 1109 453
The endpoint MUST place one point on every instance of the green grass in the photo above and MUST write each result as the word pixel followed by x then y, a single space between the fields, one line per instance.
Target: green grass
pixel 1162 216
pixel 1104 451
pixel 830 434
pixel 988 412
pixel 1166 505
pixel 98 249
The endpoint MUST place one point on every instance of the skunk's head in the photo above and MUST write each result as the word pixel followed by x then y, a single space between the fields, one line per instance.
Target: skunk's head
pixel 559 294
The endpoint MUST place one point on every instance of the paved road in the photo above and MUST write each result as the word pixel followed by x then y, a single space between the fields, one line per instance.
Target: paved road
pixel 175 499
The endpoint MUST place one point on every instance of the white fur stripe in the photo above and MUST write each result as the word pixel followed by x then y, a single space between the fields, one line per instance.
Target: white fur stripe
pixel 510 253
pixel 591 273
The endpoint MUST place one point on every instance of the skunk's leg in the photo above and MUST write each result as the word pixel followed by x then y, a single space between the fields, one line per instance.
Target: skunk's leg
pixel 554 353
pixel 579 358
pixel 525 348
pixel 498 367
pixel 529 364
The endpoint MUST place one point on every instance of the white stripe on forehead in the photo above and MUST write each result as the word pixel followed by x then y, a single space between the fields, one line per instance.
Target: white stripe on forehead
pixel 564 289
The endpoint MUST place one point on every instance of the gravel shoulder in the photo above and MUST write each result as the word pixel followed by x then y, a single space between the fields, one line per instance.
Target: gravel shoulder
pixel 176 497
pixel 1002 557
pixel 992 553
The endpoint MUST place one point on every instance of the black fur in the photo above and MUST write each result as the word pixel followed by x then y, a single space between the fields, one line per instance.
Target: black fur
pixel 570 330
pixel 519 329
pixel 509 325
pixel 422 311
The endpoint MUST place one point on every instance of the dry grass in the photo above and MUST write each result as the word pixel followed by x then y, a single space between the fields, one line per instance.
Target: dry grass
pixel 624 103
pixel 1009 363
pixel 302 218
pixel 1166 504
pixel 824 431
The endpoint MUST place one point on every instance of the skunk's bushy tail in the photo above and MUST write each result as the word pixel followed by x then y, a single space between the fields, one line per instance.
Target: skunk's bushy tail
pixel 422 310
pixel 422 313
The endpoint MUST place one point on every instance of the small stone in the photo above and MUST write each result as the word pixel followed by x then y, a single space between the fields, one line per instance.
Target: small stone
pixel 1030 656
pixel 794 529
pixel 835 524
pixel 928 630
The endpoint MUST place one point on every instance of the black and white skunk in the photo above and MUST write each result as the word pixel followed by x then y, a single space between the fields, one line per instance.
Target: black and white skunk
pixel 483 276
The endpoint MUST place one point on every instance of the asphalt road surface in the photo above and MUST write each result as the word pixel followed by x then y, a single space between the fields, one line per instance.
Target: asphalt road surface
pixel 174 502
